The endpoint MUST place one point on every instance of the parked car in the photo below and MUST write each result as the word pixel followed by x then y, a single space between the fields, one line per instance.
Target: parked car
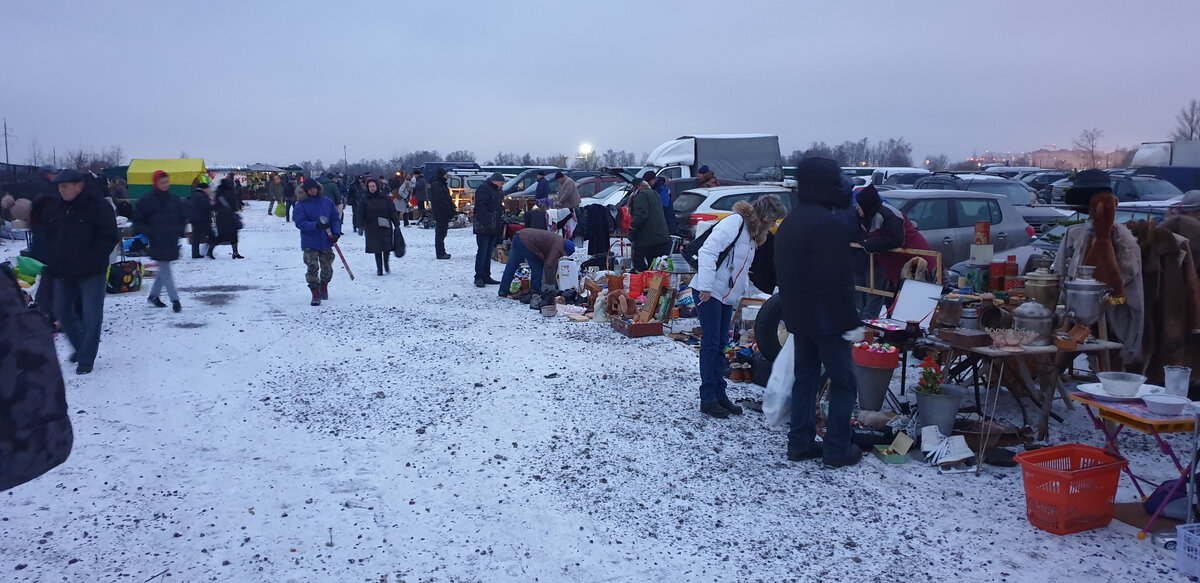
pixel 462 186
pixel 905 176
pixel 947 220
pixel 1128 188
pixel 700 205
pixel 593 184
pixel 615 194
pixel 1022 196
pixel 576 175
pixel 527 178
pixel 1041 182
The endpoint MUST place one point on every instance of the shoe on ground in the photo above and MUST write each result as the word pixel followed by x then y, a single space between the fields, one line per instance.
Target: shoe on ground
pixel 851 457
pixel 316 297
pixel 729 406
pixel 527 299
pixel 324 293
pixel 491 281
pixel 714 410
pixel 479 283
pixel 810 452
pixel 83 369
pixel 176 306
pixel 446 256
pixel 156 302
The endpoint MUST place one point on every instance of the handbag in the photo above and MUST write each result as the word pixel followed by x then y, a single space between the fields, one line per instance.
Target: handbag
pixel 124 276
pixel 398 246
pixel 691 253
pixel 777 397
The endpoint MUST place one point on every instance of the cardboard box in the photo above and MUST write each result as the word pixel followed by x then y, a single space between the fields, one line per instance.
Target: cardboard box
pixel 637 329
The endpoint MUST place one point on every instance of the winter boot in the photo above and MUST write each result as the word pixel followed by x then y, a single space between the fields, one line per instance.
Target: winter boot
pixel 714 410
pixel 387 268
pixel 156 302
pixel 324 291
pixel 316 296
pixel 176 306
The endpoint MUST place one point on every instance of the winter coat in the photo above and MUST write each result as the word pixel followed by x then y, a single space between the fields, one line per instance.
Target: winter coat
pixel 275 191
pixel 568 195
pixel 547 247
pixel 330 190
pixel 371 208
pixel 162 218
pixel 289 191
pixel 890 229
pixel 307 215
pixel 664 195
pixel 231 192
pixel 200 208
pixel 1126 320
pixel 814 265
pixel 1169 290
pixel 420 189
pixel 80 236
pixel 543 189
pixel 440 201
pixel 716 279
pixel 489 210
pixel 649 224
pixel 228 221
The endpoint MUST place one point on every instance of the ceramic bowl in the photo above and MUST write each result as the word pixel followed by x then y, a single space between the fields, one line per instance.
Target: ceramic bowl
pixel 1121 384
pixel 1166 404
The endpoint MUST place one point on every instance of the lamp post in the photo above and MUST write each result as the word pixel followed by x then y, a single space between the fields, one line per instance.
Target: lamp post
pixel 585 154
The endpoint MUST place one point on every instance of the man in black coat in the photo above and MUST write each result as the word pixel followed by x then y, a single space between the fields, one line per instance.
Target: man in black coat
pixel 815 269
pixel 81 233
pixel 162 218
pixel 442 206
pixel 200 209
pixel 488 226
pixel 420 194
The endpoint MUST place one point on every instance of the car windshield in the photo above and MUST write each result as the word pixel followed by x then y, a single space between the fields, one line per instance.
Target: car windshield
pixel 607 192
pixel 688 202
pixel 1017 194
pixel 1155 189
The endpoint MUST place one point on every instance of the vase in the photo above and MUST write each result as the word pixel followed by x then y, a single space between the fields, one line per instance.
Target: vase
pixel 873 384
pixel 940 409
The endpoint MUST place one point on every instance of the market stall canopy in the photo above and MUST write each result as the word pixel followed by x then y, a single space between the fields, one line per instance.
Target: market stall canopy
pixel 260 167
pixel 182 170
pixel 227 168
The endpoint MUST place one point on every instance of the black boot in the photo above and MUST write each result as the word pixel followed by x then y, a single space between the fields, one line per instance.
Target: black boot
pixel 378 264
pixel 387 268
pixel 210 251
pixel 236 255
pixel 714 410
pixel 176 306
pixel 196 251
pixel 848 458
pixel 156 302
pixel 729 406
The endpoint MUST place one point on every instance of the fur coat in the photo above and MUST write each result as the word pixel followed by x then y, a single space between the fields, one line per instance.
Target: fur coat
pixel 1127 320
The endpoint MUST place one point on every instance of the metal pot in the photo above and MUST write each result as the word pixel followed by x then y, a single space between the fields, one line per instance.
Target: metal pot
pixel 969 319
pixel 1034 316
pixel 1085 296
pixel 1043 287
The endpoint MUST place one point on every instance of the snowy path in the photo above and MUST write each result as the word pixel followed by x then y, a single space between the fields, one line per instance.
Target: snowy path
pixel 410 422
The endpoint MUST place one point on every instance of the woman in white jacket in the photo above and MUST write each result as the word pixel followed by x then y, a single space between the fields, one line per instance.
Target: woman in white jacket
pixel 722 278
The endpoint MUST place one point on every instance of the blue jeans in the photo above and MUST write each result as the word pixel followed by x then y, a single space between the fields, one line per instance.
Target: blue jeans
pixel 79 305
pixel 483 255
pixel 518 254
pixel 834 352
pixel 715 319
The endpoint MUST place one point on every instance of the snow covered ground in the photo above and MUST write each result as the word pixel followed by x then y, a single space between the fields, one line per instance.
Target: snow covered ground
pixel 415 428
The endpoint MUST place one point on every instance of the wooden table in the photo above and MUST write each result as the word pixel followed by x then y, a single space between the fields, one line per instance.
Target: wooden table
pixel 1111 417
pixel 1051 362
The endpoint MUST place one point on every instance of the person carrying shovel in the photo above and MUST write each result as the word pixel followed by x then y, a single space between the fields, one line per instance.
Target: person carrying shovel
pixel 320 228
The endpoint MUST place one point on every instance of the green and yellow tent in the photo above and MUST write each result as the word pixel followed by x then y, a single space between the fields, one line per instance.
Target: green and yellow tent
pixel 182 170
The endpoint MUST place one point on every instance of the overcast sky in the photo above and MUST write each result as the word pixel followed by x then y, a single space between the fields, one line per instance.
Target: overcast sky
pixel 283 81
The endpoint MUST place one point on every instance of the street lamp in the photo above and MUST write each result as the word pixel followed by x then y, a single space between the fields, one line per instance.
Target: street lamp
pixel 585 154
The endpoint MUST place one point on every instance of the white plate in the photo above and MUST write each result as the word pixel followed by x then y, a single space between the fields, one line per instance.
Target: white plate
pixel 1097 390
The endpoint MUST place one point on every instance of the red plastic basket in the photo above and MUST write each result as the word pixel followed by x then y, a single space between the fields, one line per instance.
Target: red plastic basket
pixel 1070 488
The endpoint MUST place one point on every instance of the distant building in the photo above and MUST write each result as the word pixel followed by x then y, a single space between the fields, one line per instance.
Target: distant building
pixel 1077 159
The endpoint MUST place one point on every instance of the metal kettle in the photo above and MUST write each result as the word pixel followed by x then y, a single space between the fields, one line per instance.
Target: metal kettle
pixel 1085 296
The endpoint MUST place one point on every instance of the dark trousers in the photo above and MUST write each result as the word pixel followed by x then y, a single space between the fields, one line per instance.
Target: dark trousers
pixel 440 228
pixel 483 255
pixel 644 254
pixel 521 254
pixel 833 352
pixel 79 305
pixel 715 318
pixel 288 214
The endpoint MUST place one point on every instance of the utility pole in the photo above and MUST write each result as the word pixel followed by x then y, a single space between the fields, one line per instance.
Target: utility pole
pixel 345 163
pixel 12 171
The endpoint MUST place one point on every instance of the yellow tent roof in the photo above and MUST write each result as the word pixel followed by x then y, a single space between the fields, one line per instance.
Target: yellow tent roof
pixel 182 170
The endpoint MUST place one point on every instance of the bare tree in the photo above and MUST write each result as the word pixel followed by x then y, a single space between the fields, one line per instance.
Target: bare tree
pixel 36 156
pixel 1087 141
pixel 460 156
pixel 557 160
pixel 938 162
pixel 1189 122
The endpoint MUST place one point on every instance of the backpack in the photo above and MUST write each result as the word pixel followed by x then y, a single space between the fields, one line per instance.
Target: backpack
pixel 691 253
pixel 35 431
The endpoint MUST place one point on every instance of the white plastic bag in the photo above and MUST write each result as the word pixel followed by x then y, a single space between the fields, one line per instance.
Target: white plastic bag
pixel 777 398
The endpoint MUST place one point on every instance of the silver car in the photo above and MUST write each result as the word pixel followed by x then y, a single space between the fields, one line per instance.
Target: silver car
pixel 946 218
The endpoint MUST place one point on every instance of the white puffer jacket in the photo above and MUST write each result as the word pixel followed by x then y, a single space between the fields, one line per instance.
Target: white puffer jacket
pixel 728 281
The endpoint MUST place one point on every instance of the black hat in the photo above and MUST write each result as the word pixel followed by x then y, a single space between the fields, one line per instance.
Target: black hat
pixel 311 184
pixel 496 177
pixel 67 175
pixel 820 180
pixel 636 182
pixel 541 172
pixel 1087 184
pixel 441 172
pixel 869 200
pixel 558 175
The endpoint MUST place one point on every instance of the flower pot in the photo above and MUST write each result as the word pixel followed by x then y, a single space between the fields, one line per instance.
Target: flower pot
pixel 873 383
pixel 939 409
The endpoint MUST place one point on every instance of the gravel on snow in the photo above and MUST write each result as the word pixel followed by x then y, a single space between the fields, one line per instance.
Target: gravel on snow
pixel 412 429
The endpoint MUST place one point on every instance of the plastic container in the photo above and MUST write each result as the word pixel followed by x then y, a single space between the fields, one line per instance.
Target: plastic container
pixel 1176 378
pixel 568 274
pixel 1070 488
pixel 1187 549
pixel 1166 405
pixel 1121 384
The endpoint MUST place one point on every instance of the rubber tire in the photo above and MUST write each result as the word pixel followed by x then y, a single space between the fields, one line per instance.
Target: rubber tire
pixel 766 328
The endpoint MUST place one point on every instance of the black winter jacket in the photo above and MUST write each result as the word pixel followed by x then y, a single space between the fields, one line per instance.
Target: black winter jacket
pixel 162 218
pixel 371 208
pixel 80 236
pixel 440 200
pixel 489 210
pixel 814 265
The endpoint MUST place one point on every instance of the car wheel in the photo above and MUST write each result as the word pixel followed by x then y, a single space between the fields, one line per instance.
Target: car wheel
pixel 769 328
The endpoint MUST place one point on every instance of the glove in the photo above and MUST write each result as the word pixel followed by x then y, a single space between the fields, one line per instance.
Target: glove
pixel 334 238
pixel 323 223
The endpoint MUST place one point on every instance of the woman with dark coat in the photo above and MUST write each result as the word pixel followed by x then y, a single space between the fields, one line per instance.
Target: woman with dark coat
pixel 200 210
pixel 377 219
pixel 161 217
pixel 226 205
